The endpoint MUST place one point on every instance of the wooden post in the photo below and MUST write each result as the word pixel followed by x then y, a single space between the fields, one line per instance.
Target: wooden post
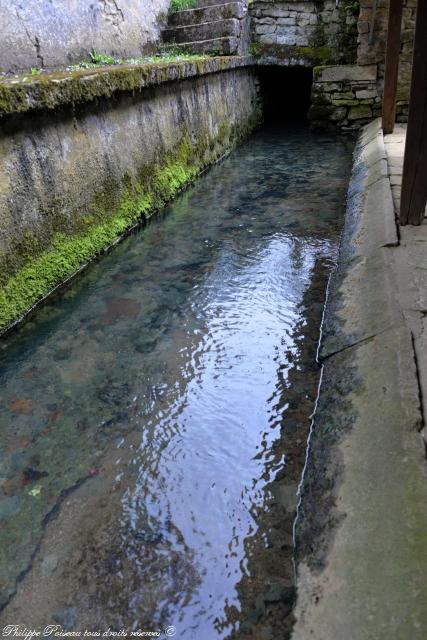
pixel 414 178
pixel 392 64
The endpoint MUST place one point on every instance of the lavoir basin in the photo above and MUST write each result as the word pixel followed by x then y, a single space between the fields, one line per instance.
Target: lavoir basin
pixel 154 416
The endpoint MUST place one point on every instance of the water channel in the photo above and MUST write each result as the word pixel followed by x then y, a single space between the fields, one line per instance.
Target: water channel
pixel 154 416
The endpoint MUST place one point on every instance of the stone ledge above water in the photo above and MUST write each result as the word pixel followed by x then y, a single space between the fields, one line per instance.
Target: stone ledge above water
pixel 362 522
pixel 60 88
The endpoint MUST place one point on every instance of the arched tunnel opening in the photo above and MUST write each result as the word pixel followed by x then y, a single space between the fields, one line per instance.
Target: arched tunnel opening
pixel 285 93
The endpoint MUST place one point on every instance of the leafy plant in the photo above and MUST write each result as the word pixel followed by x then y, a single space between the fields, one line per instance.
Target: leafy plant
pixel 35 71
pixel 181 5
pixel 101 58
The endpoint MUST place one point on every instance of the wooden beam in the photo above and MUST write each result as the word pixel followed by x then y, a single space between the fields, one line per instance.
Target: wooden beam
pixel 392 64
pixel 414 178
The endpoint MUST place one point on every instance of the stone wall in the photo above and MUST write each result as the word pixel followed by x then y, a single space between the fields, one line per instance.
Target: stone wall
pixel 305 32
pixel 76 173
pixel 344 96
pixel 54 33
pixel 356 97
pixel 329 32
pixel 372 29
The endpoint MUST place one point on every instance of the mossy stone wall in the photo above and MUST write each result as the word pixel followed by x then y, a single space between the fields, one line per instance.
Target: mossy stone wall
pixel 305 32
pixel 344 97
pixel 372 28
pixel 74 178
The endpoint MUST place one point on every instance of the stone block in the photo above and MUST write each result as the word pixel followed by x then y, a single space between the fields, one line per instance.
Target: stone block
pixel 330 87
pixel 338 114
pixel 360 111
pixel 363 27
pixel 320 112
pixel 343 95
pixel 337 73
pixel 348 103
pixel 366 93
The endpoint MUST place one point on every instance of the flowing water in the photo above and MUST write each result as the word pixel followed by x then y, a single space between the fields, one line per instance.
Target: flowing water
pixel 154 417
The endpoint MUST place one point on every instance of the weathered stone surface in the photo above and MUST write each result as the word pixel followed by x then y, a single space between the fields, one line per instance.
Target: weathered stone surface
pixel 324 28
pixel 343 94
pixel 228 46
pixel 371 44
pixel 60 32
pixel 359 112
pixel 366 93
pixel 345 73
pixel 203 31
pixel 82 175
pixel 72 87
pixel 207 14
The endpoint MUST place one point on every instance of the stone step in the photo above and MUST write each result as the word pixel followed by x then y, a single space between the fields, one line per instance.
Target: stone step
pixel 202 31
pixel 207 14
pixel 220 46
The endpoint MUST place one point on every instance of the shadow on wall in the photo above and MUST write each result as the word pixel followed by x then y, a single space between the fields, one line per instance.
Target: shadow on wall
pixel 285 93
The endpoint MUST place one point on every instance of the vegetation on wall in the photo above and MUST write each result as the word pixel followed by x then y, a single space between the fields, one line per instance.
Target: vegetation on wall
pixel 181 5
pixel 114 210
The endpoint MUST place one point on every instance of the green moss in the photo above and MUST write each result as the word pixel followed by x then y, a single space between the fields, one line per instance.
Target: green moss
pixel 43 268
pixel 51 90
pixel 67 253
pixel 347 102
pixel 181 5
pixel 311 55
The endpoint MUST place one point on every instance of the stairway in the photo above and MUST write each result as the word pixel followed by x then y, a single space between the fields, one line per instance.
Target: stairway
pixel 214 26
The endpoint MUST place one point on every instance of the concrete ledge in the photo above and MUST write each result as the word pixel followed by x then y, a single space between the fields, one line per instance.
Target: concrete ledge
pixel 362 549
pixel 362 524
pixel 362 298
pixel 53 90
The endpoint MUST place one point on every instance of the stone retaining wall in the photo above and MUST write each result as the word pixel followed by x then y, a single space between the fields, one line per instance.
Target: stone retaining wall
pixel 344 96
pixel 76 174
pixel 60 32
pixel 305 31
pixel 313 33
pixel 372 30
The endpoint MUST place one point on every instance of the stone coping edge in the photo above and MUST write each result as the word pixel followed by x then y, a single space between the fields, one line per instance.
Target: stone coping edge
pixel 57 89
pixel 362 516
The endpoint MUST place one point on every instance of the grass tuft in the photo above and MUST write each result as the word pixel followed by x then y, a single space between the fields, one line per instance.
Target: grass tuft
pixel 181 5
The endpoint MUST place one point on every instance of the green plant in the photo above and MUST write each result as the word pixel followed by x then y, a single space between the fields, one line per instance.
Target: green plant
pixel 255 49
pixel 35 71
pixel 101 58
pixel 181 5
pixel 352 6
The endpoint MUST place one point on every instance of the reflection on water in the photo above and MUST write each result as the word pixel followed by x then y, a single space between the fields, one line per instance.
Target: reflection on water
pixel 154 417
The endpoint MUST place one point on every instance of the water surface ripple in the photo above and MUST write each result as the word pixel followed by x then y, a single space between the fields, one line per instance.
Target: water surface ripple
pixel 154 416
